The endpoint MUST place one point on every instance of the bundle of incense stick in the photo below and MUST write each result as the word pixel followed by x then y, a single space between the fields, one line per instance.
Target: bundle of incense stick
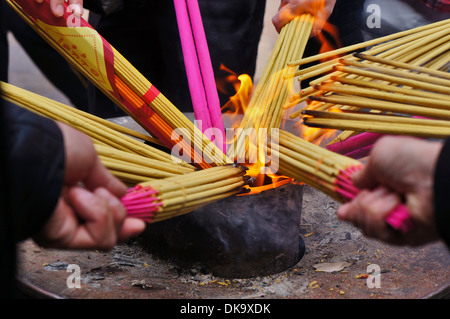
pixel 99 62
pixel 428 46
pixel 199 70
pixel 265 110
pixel 387 86
pixel 162 199
pixel 119 148
pixel 378 123
pixel 326 171
pixel 419 46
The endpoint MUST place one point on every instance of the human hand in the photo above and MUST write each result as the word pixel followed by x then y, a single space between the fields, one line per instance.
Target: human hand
pixel 57 6
pixel 397 167
pixel 89 214
pixel 289 9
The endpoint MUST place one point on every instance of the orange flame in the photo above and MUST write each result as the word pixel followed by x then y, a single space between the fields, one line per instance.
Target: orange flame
pixel 238 103
pixel 235 108
pixel 319 136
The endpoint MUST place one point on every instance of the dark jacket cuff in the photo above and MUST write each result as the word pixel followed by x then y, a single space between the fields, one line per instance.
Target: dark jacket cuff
pixel 35 155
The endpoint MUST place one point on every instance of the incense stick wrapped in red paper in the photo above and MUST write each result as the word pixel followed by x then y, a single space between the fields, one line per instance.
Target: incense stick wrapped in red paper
pixel 85 49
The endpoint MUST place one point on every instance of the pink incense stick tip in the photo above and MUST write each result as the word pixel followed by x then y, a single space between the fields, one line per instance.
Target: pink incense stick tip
pixel 141 202
pixel 400 219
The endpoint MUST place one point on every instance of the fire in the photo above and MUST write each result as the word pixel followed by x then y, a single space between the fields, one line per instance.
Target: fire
pixel 277 181
pixel 237 105
pixel 335 110
pixel 317 136
pixel 235 108
pixel 329 38
pixel 243 86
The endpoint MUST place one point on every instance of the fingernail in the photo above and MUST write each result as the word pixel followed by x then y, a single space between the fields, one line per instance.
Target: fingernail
pixel 59 10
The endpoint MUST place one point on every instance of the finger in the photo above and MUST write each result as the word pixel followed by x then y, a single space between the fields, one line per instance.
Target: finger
pixel 283 3
pixel 364 178
pixel 277 22
pixel 376 206
pixel 100 176
pixel 287 13
pixel 115 207
pixel 131 228
pixel 58 229
pixel 349 211
pixel 57 7
pixel 96 229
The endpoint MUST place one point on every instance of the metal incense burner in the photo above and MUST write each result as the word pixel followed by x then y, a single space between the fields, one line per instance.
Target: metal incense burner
pixel 239 237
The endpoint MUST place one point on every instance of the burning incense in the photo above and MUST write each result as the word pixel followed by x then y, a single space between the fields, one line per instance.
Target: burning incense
pixel 425 47
pixel 424 93
pixel 441 84
pixel 328 172
pixel 380 84
pixel 364 103
pixel 405 66
pixel 273 89
pixel 356 91
pixel 369 43
pixel 382 128
pixel 96 59
pixel 162 199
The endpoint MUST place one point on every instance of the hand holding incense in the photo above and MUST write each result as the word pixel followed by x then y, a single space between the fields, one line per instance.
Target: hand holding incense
pixel 386 167
pixel 326 171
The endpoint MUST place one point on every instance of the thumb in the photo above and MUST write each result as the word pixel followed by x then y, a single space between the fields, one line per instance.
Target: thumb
pixel 131 228
pixel 100 176
pixel 364 178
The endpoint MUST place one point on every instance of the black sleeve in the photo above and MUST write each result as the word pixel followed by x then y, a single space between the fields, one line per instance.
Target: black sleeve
pixel 104 6
pixel 442 192
pixel 35 159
